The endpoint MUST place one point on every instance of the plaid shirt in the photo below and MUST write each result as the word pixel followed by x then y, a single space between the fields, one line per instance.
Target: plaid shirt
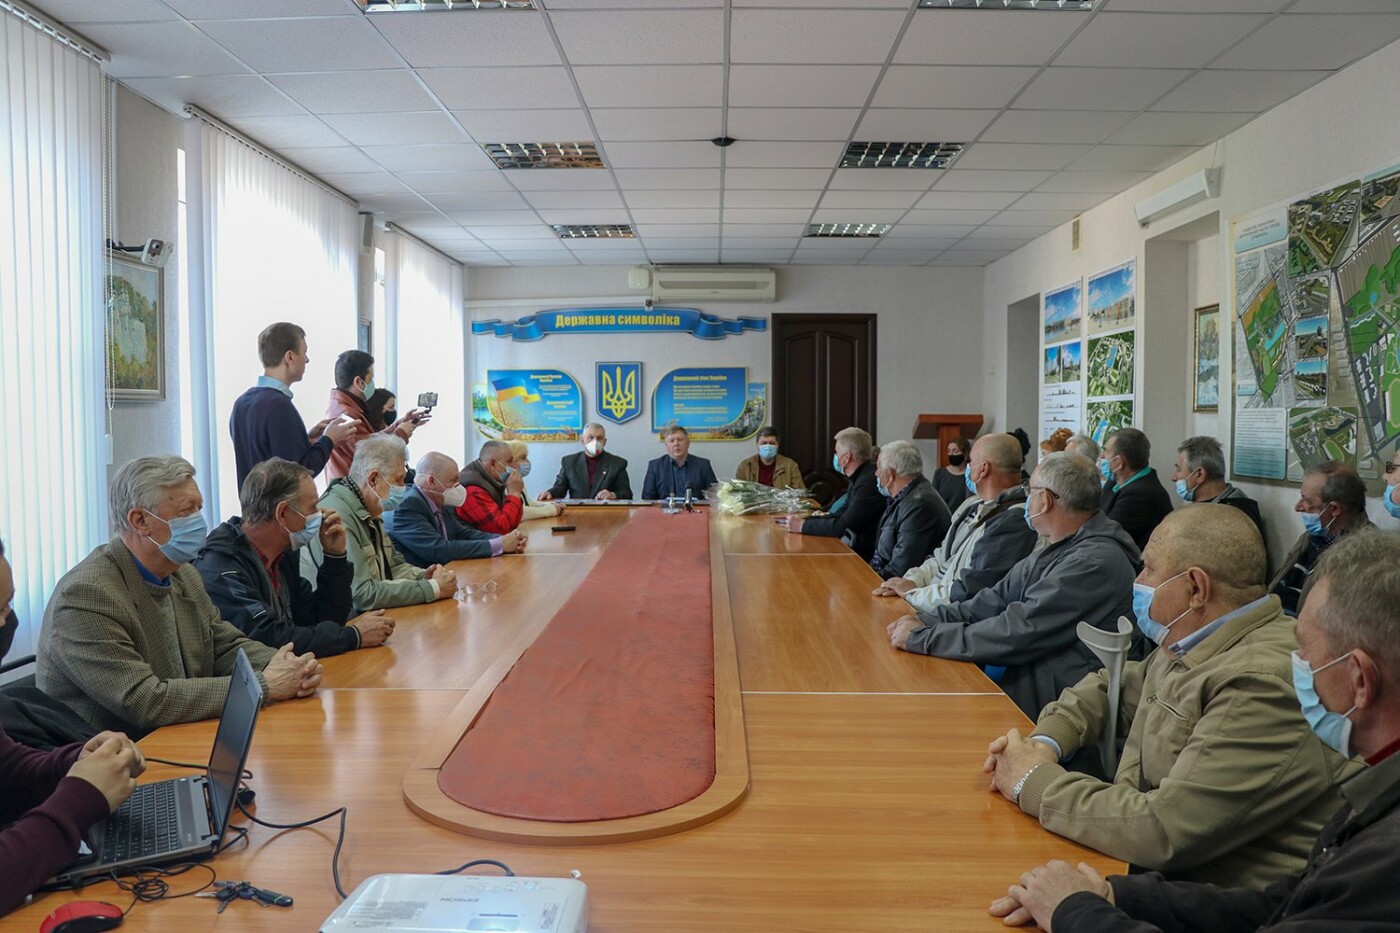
pixel 481 511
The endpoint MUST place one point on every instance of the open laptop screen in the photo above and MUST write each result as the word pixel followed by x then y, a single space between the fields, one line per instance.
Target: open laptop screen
pixel 232 741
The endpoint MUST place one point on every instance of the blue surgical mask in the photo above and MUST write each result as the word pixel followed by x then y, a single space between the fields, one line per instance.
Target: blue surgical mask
pixel 1105 471
pixel 1334 729
pixel 301 539
pixel 768 451
pixel 967 481
pixel 396 494
pixel 1187 494
pixel 1389 500
pixel 1312 524
pixel 1142 606
pixel 836 462
pixel 369 388
pixel 881 487
pixel 524 468
pixel 505 473
pixel 187 536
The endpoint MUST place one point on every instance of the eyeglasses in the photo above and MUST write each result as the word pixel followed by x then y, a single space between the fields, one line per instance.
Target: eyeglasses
pixel 1045 489
pixel 467 590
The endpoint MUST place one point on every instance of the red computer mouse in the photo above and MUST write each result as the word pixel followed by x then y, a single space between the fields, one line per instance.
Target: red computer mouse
pixel 83 917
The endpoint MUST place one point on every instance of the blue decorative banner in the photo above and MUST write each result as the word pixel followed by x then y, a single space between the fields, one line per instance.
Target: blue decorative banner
pixel 619 321
pixel 619 391
pixel 528 404
pixel 712 404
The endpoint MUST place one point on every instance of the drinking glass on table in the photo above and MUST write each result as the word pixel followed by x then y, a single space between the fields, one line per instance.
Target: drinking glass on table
pixel 467 590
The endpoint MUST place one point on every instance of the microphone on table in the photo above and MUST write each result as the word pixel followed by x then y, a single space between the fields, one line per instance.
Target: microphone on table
pixel 688 506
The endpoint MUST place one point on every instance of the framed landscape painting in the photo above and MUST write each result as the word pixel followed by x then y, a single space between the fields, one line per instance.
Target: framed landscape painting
pixel 1206 359
pixel 136 329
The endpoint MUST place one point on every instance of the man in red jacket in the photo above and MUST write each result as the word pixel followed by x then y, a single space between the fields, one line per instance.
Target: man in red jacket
pixel 495 492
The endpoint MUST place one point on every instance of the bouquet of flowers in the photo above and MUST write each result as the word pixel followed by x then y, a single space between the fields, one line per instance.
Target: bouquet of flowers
pixel 741 497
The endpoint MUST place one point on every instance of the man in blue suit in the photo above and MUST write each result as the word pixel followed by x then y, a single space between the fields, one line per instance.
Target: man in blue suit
pixel 678 473
pixel 424 526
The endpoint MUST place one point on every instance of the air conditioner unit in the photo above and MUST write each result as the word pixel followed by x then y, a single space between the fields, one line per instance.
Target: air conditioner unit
pixel 1191 189
pixel 671 284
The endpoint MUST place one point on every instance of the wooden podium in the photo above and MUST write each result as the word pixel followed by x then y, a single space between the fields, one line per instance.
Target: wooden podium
pixel 945 428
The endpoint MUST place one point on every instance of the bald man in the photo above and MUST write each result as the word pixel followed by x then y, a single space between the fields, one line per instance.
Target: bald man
pixel 1221 779
pixel 424 527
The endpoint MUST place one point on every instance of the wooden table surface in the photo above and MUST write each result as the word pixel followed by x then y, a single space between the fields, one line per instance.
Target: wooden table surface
pixel 867 810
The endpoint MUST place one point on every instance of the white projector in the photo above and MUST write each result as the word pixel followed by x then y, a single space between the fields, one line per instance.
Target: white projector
pixel 463 904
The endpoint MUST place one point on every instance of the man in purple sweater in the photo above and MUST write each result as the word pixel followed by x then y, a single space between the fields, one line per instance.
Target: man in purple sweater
pixel 51 798
pixel 265 423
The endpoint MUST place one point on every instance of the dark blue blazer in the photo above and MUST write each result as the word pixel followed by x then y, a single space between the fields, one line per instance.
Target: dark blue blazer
pixel 664 478
pixel 419 539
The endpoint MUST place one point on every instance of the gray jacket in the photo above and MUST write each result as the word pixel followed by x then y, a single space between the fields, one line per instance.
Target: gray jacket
pixel 911 528
pixel 1026 622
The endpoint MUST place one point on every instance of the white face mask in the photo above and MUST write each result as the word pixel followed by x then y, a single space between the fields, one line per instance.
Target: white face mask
pixel 593 447
pixel 454 497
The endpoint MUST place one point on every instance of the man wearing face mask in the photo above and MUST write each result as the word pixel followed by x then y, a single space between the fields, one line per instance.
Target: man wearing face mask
pixel 857 523
pixel 1133 495
pixel 425 528
pixel 916 520
pixel 349 403
pixel 768 466
pixel 592 473
pixel 1200 477
pixel 495 494
pixel 1220 779
pixel 382 579
pixel 1332 504
pixel 1346 673
pixel 250 565
pixel 130 638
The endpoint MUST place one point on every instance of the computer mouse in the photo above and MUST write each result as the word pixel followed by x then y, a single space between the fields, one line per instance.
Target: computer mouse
pixel 83 917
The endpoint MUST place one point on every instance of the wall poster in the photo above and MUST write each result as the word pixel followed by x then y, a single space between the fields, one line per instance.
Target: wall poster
pixel 713 404
pixel 528 405
pixel 1062 385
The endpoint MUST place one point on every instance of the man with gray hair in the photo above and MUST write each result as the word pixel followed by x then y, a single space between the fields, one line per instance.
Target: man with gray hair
pixel 858 523
pixel 592 473
pixel 1026 622
pixel 425 528
pixel 1332 503
pixel 1200 477
pixel 1083 445
pixel 250 565
pixel 916 518
pixel 382 578
pixel 130 639
pixel 495 495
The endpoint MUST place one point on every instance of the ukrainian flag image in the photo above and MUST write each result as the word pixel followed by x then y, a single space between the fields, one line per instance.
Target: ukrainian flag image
pixel 513 387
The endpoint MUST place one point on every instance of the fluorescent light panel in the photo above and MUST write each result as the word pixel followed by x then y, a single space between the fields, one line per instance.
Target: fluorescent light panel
pixel 1078 5
pixel 543 155
pixel 594 231
pixel 442 6
pixel 901 155
pixel 847 230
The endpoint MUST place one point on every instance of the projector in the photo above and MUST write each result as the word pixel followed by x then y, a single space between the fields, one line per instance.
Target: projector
pixel 460 903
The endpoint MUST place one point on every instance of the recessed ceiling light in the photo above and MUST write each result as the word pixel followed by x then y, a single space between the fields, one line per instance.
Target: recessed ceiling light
pixel 900 155
pixel 434 6
pixel 1006 4
pixel 847 230
pixel 543 155
pixel 594 231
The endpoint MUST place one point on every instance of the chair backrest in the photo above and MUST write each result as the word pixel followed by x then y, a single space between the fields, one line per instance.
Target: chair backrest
pixel 17 664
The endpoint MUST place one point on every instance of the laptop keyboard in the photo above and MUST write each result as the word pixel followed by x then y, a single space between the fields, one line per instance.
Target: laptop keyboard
pixel 146 825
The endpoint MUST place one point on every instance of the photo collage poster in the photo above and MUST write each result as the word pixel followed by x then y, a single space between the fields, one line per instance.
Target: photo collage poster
pixel 1111 350
pixel 1062 369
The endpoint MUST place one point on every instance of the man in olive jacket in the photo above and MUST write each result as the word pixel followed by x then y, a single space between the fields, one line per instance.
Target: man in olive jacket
pixel 1221 779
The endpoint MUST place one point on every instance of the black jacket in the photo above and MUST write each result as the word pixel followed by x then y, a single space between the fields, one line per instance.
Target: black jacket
pixel 1348 883
pixel 311 619
pixel 1139 506
pixel 572 481
pixel 858 524
pixel 416 534
pixel 1233 496
pixel 913 525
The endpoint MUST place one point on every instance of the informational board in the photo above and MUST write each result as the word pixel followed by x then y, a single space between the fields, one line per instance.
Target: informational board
pixel 528 404
pixel 1062 376
pixel 713 404
pixel 1111 351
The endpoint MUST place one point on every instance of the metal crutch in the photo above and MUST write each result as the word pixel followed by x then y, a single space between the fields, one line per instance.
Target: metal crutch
pixel 1111 648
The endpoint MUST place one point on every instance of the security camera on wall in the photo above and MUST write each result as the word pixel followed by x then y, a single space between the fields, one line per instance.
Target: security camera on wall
pixel 157 252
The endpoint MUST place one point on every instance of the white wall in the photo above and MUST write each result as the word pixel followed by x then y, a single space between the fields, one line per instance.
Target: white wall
pixel 1328 133
pixel 929 358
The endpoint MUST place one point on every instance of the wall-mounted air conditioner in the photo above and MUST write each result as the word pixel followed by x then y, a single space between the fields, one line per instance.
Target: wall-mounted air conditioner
pixel 674 284
pixel 1191 189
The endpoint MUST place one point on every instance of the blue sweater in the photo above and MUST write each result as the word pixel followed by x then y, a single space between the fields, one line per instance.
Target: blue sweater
pixel 265 424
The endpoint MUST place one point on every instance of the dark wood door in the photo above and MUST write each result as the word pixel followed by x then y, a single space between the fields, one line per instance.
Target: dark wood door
pixel 823 381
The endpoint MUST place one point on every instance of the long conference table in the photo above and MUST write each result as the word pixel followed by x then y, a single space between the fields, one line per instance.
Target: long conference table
pixel 866 808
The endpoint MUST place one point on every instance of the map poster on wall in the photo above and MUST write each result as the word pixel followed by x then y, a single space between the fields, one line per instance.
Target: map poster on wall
pixel 713 404
pixel 1111 367
pixel 528 404
pixel 1318 435
pixel 1063 309
pixel 1113 299
pixel 1106 416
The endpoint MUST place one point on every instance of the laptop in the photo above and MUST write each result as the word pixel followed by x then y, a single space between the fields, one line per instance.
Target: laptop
pixel 181 819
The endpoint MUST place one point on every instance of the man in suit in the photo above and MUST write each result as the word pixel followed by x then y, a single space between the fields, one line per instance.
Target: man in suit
pixel 916 519
pixel 858 522
pixel 592 473
pixel 130 639
pixel 677 473
pixel 1132 495
pixel 768 466
pixel 425 527
pixel 1332 502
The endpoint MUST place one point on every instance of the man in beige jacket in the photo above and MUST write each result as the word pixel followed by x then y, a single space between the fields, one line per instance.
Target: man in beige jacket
pixel 1221 779
pixel 768 466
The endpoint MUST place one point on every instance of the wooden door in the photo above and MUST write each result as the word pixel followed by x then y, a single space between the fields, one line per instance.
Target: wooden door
pixel 823 381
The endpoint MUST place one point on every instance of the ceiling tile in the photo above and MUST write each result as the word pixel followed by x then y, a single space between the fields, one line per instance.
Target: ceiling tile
pixel 922 218
pixel 642 178
pixel 293 45
pixel 649 231
pixel 1208 6
pixel 1156 40
pixel 385 203
pixel 1178 129
pixel 905 123
pixel 529 88
pixel 889 244
pixel 963 179
pixel 792 123
pixel 897 258
pixel 816 244
pixel 766 215
pixel 562 200
pixel 381 91
pixel 800 178
pixel 884 179
pixel 493 234
pixel 1098 88
pixel 110 11
pixel 1338 6
pixel 855 215
pixel 1028 156
pixel 667 123
pixel 870 199
pixel 683 242
pixel 993 243
pixel 629 4
pixel 755 255
pixel 261 9
pixel 1093 182
pixel 592 215
pixel 773 243
pixel 429 158
pixel 455 181
pixel 664 198
pixel 651 85
pixel 424 220
pixel 1034 218
pixel 437 40
pixel 288 132
pixel 760 197
pixel 676 215
pixel 332 159
pixel 477 201
pixel 1011 231
pixel 938 199
pixel 612 258
pixel 969 257
pixel 913 231
pixel 782 155
pixel 564 179
pixel 1131 158
pixel 1313 41
pixel 1238 91
pixel 764 230
pixel 557 255
pixel 821 4
pixel 983 37
pixel 679 255
pixel 408 128
pixel 663 37
pixel 815 36
pixel 801 85
pixel 950 86
pixel 526 125
pixel 1054 126
pixel 536 248
pixel 1061 200
pixel 163 49
pixel 675 154
pixel 363 184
